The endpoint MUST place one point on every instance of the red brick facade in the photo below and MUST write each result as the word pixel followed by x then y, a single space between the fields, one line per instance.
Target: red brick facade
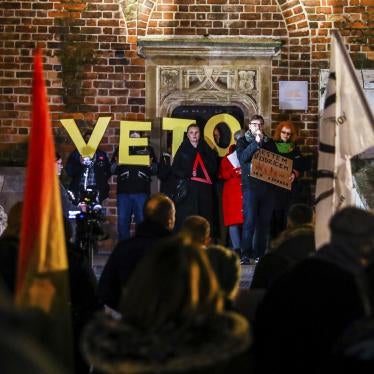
pixel 92 67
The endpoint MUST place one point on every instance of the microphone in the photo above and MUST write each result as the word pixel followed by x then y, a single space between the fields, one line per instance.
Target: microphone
pixel 97 208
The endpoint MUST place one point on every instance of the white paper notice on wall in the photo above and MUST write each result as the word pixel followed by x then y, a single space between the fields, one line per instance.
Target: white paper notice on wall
pixel 293 95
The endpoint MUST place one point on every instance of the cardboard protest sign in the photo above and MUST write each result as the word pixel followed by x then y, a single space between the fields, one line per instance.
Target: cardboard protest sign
pixel 272 168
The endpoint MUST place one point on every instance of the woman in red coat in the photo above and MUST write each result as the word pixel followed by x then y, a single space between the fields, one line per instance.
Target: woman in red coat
pixel 230 172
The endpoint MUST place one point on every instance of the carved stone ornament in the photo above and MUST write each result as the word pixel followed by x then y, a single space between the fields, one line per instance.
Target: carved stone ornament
pixel 207 84
pixel 208 71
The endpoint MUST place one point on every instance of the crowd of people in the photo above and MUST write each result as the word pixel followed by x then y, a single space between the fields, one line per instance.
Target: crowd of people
pixel 243 211
pixel 168 299
pixel 168 303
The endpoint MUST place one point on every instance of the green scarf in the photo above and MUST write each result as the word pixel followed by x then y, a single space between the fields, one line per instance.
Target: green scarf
pixel 284 147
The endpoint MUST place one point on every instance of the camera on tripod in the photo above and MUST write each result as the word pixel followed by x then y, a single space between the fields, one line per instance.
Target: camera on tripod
pixel 89 222
pixel 91 216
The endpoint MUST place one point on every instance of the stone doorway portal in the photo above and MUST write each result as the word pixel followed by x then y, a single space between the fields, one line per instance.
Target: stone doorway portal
pixel 223 72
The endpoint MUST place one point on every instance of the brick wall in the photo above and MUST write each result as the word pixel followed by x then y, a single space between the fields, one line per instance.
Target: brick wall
pixel 92 67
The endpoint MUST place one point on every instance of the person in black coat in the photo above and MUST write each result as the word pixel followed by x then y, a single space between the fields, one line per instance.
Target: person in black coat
pixel 159 219
pixel 25 340
pixel 307 308
pixel 258 196
pixel 172 320
pixel 293 245
pixel 9 244
pixel 66 198
pixel 302 314
pixel 165 175
pixel 83 298
pixel 196 164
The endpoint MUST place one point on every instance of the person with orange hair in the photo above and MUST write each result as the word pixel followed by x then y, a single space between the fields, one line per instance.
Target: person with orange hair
pixel 285 135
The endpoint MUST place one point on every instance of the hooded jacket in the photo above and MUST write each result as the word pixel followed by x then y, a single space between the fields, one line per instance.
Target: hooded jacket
pixel 211 344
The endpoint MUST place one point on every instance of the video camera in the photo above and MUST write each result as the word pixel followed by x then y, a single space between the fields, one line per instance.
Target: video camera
pixel 89 222
pixel 91 216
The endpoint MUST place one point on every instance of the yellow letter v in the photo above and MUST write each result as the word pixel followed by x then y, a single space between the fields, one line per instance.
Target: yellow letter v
pixel 90 148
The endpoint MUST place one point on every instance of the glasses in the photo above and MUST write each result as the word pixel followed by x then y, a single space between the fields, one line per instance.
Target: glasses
pixel 286 133
pixel 257 124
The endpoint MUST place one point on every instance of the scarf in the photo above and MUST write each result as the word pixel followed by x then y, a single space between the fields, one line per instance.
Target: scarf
pixel 285 147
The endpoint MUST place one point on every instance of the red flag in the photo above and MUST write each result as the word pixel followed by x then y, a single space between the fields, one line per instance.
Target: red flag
pixel 42 274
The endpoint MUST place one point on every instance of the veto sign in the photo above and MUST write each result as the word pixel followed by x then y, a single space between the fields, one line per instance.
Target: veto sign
pixel 272 168
pixel 178 126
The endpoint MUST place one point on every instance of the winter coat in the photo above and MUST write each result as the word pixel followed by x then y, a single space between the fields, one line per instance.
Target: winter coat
pixel 286 197
pixel 124 258
pixel 199 199
pixel 8 262
pixel 66 202
pixel 297 243
pixel 74 168
pixel 166 176
pixel 132 179
pixel 246 147
pixel 290 247
pixel 301 316
pixel 232 191
pixel 184 160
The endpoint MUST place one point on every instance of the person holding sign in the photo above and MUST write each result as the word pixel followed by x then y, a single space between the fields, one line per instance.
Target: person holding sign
pixel 133 186
pixel 195 163
pixel 258 195
pixel 284 137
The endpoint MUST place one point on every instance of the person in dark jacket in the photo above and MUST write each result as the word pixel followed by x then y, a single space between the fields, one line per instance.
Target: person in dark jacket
pixel 198 229
pixel 165 175
pixel 9 243
pixel 172 320
pixel 226 266
pixel 285 135
pixel 195 163
pixel 159 219
pixel 83 298
pixel 258 196
pixel 133 187
pixel 302 314
pixel 88 173
pixel 293 245
pixel 307 308
pixel 25 340
pixel 66 199
pixel 351 244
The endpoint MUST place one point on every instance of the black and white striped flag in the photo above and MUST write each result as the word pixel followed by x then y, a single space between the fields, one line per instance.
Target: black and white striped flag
pixel 346 129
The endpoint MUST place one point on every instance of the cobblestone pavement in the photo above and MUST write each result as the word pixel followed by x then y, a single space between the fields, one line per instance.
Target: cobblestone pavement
pixel 247 275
